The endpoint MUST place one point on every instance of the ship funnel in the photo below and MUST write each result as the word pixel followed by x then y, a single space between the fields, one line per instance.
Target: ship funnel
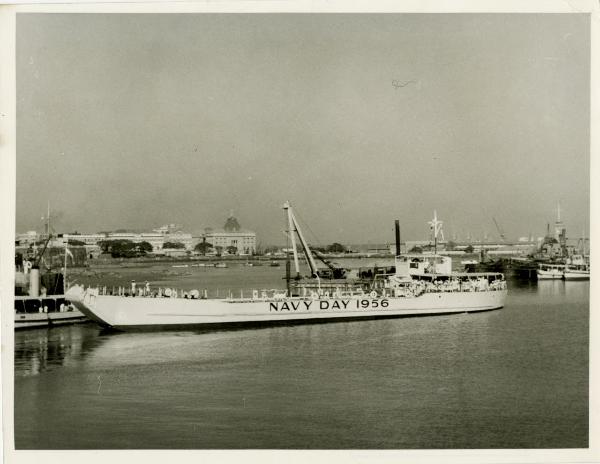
pixel 397 237
pixel 34 281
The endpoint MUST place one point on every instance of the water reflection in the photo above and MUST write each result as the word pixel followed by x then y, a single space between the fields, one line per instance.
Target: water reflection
pixel 551 288
pixel 40 350
pixel 88 346
pixel 577 290
pixel 522 284
pixel 571 291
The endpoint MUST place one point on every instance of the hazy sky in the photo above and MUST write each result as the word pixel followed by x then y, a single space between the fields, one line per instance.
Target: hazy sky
pixel 133 121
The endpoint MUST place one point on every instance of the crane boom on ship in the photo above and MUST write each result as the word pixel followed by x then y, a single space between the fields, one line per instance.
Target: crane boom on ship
pixel 337 272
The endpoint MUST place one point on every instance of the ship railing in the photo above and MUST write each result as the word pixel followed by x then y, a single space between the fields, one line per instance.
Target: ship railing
pixel 391 287
pixel 148 292
pixel 416 288
pixel 309 292
pixel 260 295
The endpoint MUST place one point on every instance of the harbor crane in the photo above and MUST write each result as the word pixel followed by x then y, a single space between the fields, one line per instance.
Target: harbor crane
pixel 500 231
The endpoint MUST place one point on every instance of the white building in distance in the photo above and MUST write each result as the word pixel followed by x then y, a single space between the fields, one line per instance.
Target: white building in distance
pixel 156 239
pixel 232 235
pixel 87 239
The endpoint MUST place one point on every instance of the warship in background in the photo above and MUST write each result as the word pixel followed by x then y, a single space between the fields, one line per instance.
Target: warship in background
pixel 553 259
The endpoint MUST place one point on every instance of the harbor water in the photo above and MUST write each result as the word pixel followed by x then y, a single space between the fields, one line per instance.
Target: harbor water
pixel 511 378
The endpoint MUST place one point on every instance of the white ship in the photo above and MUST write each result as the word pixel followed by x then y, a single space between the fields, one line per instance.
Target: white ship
pixel 577 268
pixel 419 285
pixel 550 271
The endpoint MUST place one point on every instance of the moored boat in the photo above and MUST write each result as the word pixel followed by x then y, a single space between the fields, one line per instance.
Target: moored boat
pixel 577 273
pixel 39 298
pixel 577 268
pixel 548 271
pixel 45 311
pixel 419 285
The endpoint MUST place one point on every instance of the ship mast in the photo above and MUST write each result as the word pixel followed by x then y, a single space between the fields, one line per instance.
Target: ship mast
pixel 294 227
pixel 436 228
pixel 48 220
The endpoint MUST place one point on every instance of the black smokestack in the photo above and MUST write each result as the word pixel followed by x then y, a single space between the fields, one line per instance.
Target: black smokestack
pixel 397 237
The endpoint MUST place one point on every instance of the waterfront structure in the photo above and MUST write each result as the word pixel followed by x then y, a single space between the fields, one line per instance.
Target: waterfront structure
pixel 156 238
pixel 232 235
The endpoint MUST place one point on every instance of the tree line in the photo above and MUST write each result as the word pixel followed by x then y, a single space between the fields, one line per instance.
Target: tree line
pixel 125 248
pixel 122 248
pixel 204 247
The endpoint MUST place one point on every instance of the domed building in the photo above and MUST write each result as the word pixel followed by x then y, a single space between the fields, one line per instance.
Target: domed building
pixel 232 225
pixel 232 236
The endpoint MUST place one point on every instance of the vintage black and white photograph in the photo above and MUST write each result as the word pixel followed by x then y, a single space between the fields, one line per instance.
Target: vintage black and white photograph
pixel 301 231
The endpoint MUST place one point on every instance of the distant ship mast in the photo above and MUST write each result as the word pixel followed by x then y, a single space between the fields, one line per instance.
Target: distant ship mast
pixel 47 219
pixel 558 225
pixel 436 229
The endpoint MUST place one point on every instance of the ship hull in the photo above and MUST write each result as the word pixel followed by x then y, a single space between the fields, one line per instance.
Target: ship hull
pixel 35 320
pixel 550 275
pixel 140 313
pixel 575 275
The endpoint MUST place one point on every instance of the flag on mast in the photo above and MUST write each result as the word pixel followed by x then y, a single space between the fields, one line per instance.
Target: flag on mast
pixel 68 252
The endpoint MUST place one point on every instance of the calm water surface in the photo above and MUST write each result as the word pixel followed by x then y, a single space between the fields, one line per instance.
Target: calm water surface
pixel 517 377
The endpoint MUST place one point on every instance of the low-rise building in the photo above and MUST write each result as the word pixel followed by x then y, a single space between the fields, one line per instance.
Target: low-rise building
pixel 131 236
pixel 180 237
pixel 157 240
pixel 87 239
